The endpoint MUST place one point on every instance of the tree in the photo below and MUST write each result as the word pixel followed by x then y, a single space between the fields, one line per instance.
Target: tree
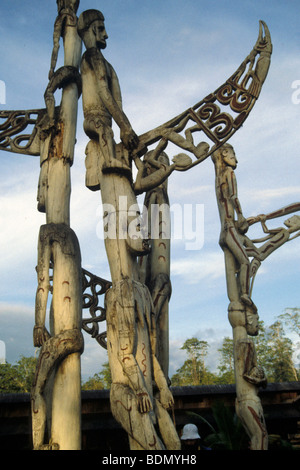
pixel 275 353
pixel 93 383
pixel 280 354
pixel 18 378
pixel 182 377
pixel 226 366
pixel 105 375
pixel 7 379
pixel 291 318
pixel 193 371
pixel 100 380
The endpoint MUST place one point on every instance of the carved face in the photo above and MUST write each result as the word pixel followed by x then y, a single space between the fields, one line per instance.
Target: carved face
pixel 229 157
pixel 252 326
pixel 100 33
pixel 293 222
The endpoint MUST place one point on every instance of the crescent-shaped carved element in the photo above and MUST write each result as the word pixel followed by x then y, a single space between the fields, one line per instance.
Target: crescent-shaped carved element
pixel 239 93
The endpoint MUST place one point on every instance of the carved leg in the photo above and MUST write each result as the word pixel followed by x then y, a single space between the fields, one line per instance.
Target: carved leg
pixel 249 377
pixel 139 426
pixel 53 351
pixel 161 292
pixel 166 427
pixel 250 412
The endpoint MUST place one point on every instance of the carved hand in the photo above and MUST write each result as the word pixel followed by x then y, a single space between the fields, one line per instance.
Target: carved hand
pixel 181 161
pixel 129 138
pixel 166 398
pixel 144 401
pixel 40 335
pixel 242 224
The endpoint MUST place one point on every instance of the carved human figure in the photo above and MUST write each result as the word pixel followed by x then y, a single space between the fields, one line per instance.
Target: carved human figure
pixel 233 226
pixel 249 376
pixel 67 10
pixel 57 129
pixel 242 312
pixel 131 328
pixel 58 245
pixel 101 94
pixel 260 248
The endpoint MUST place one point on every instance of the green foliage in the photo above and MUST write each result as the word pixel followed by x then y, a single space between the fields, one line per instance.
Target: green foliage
pixel 274 350
pixel 229 433
pixel 275 353
pixel 99 381
pixel 226 364
pixel 93 383
pixel 193 371
pixel 18 378
pixel 226 432
pixel 105 375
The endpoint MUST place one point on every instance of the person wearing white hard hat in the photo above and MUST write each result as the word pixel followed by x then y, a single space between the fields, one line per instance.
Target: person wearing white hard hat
pixel 190 438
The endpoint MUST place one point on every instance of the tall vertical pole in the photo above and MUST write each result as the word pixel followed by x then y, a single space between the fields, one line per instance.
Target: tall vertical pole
pixel 58 377
pixel 66 399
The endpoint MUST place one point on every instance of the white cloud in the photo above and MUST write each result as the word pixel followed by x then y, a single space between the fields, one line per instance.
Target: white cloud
pixel 202 266
pixel 267 195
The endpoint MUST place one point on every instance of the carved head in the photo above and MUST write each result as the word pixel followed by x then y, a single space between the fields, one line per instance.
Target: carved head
pixel 225 155
pixel 70 4
pixel 293 222
pixel 162 157
pixel 252 325
pixel 91 29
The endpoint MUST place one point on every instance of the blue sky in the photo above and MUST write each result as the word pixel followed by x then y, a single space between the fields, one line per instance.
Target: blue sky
pixel 168 55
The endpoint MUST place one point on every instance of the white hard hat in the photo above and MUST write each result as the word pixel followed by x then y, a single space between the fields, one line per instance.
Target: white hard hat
pixel 190 432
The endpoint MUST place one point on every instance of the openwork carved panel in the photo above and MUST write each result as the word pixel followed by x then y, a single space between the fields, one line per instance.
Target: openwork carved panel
pixel 12 125
pixel 93 288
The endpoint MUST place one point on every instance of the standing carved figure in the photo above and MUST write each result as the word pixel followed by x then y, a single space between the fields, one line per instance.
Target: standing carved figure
pixel 242 312
pixel 131 328
pixel 101 92
pixel 233 226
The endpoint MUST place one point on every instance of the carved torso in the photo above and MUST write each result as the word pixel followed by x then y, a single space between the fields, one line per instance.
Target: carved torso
pixel 93 105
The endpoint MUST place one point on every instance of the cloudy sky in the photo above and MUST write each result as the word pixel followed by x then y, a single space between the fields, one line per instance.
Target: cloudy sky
pixel 168 55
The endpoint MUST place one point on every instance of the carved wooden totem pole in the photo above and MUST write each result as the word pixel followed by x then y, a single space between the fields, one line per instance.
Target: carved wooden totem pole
pixel 56 393
pixel 243 257
pixel 242 312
